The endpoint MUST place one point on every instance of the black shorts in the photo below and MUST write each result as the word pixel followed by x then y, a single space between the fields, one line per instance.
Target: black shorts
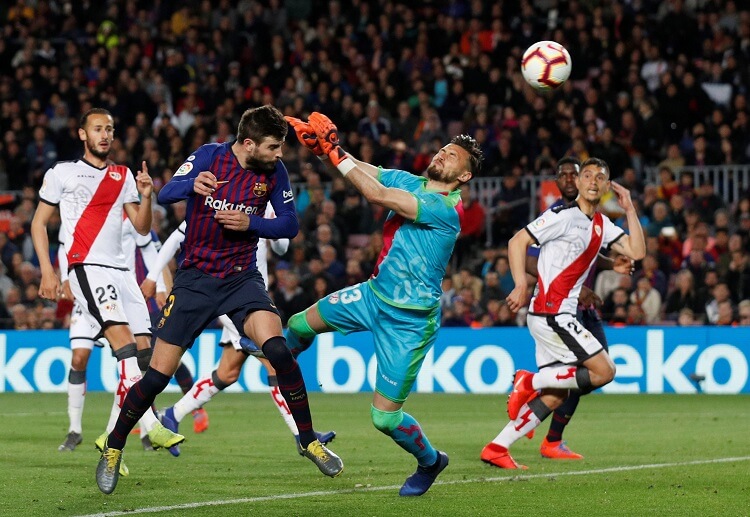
pixel 197 299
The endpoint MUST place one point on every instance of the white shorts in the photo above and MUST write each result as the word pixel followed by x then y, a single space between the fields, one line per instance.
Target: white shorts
pixel 84 329
pixel 111 296
pixel 561 339
pixel 230 334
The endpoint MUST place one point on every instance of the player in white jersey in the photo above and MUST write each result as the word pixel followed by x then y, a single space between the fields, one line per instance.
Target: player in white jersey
pixel 92 194
pixel 567 355
pixel 85 332
pixel 235 350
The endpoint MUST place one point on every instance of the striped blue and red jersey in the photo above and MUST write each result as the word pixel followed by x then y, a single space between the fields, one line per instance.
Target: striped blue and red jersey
pixel 208 246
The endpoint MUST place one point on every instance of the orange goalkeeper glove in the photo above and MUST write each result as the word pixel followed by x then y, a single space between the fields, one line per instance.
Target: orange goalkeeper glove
pixel 306 136
pixel 328 137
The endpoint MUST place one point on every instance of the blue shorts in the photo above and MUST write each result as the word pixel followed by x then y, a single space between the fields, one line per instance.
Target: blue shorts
pixel 198 298
pixel 402 336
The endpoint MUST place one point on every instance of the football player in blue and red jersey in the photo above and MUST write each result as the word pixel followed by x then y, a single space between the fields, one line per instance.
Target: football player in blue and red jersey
pixel 227 187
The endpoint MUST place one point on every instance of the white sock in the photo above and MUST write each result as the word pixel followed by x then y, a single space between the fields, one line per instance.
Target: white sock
pixel 76 398
pixel 563 377
pixel 278 399
pixel 130 373
pixel 514 430
pixel 114 414
pixel 201 393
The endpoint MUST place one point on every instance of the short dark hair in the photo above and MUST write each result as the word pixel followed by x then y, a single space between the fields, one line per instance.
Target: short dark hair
pixel 471 146
pixel 259 123
pixel 571 160
pixel 93 111
pixel 598 162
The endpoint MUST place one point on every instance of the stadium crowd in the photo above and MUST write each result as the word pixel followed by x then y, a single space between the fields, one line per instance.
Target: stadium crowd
pixel 661 84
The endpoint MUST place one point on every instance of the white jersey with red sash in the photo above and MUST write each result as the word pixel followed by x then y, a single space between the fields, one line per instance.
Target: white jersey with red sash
pixel 569 242
pixel 91 204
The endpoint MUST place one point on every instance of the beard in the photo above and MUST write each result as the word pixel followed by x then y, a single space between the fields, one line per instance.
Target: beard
pixel 253 163
pixel 434 174
pixel 102 155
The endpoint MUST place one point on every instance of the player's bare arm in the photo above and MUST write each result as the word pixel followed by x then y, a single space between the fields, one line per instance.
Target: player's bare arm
pixel 65 291
pixel 49 286
pixel 140 215
pixel 633 245
pixel 148 288
pixel 400 201
pixel 588 297
pixel 619 263
pixel 517 247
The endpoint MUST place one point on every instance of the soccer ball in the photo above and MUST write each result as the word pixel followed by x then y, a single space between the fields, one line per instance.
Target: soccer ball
pixel 546 65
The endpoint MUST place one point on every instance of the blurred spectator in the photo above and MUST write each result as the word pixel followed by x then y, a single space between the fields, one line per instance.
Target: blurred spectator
pixel 607 280
pixel 647 299
pixel 449 292
pixel 491 289
pixel 354 273
pixel 465 279
pixel 510 208
pixel 373 125
pixel 738 275
pixel 502 268
pixel 312 188
pixel 686 318
pixel 743 311
pixel 683 296
pixel 700 239
pixel 720 294
pixel 6 284
pixel 289 296
pixel 660 219
pixel 725 314
pixel 333 266
pixel 617 298
pixel 650 270
pixel 41 154
pixel 356 216
pixel 707 202
pixel 472 227
pixel 404 125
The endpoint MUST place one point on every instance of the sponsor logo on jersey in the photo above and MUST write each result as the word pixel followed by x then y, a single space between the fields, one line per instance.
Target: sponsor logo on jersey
pixel 223 204
pixel 260 189
pixel 191 158
pixel 598 230
pixel 538 223
pixel 184 169
pixel 115 175
pixel 110 307
pixel 333 299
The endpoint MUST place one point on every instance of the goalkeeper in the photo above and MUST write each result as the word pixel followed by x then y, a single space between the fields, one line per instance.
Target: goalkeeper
pixel 400 303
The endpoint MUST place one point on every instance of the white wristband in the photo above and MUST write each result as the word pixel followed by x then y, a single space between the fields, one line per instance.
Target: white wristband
pixel 345 166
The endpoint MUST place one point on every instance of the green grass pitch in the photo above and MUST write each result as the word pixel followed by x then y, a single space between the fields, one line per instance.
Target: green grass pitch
pixel 644 455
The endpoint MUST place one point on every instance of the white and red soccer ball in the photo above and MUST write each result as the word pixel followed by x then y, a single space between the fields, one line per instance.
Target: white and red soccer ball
pixel 546 65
